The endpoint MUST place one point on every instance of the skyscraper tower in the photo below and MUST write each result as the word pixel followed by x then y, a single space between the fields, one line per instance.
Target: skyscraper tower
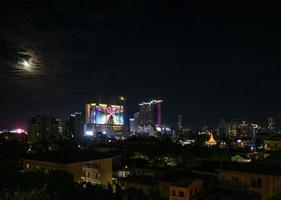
pixel 150 113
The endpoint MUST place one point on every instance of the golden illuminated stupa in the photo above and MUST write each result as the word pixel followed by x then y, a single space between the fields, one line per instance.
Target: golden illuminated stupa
pixel 211 141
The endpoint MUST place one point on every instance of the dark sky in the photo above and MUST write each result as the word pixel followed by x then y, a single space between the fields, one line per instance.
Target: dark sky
pixel 206 59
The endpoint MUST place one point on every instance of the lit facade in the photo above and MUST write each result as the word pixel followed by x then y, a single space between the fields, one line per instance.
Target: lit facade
pixel 97 171
pixel 237 129
pixel 185 189
pixel 265 185
pixel 272 144
pixel 103 118
pixel 150 113
pixel 133 125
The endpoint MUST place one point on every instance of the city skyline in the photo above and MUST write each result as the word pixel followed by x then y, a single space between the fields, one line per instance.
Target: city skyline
pixel 138 100
pixel 206 61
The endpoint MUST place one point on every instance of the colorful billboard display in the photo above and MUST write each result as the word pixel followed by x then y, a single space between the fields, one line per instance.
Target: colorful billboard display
pixel 106 114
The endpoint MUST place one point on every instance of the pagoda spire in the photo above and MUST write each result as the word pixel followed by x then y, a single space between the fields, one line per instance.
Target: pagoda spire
pixel 211 140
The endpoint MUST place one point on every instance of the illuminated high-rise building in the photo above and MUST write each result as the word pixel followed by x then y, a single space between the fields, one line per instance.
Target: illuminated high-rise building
pixel 134 123
pixel 150 113
pixel 103 118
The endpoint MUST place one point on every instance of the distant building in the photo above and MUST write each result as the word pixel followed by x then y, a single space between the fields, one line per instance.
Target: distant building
pixel 85 167
pixel 133 125
pixel 65 129
pixel 38 129
pixel 150 113
pixel 15 134
pixel 271 124
pixel 273 143
pixel 179 123
pixel 77 125
pixel 222 129
pixel 148 119
pixel 186 189
pixel 237 129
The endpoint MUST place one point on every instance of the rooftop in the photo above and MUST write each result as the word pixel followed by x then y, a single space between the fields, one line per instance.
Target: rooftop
pixel 253 168
pixel 145 180
pixel 174 175
pixel 65 157
pixel 183 182
pixel 274 138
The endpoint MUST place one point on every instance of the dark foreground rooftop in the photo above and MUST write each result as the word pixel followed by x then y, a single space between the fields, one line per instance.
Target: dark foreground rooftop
pixel 254 168
pixel 144 180
pixel 183 182
pixel 65 157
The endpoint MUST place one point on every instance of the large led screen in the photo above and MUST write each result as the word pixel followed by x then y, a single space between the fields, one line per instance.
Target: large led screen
pixel 105 114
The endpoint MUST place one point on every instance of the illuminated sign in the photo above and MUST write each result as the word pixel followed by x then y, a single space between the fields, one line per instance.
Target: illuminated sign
pixel 89 133
pixel 106 114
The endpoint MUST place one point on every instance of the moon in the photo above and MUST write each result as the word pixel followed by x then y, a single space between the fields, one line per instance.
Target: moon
pixel 27 65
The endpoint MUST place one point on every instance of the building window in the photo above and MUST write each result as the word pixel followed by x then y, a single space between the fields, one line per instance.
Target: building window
pixel 27 165
pixel 256 182
pixel 181 194
pixel 174 193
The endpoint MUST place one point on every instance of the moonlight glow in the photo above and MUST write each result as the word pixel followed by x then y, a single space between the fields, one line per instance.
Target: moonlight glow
pixel 27 65
pixel 30 63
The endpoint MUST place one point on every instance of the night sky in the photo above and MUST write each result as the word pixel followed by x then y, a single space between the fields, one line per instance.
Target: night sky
pixel 206 59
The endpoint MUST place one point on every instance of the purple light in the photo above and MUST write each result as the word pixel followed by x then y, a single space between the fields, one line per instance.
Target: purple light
pixel 159 113
pixel 18 131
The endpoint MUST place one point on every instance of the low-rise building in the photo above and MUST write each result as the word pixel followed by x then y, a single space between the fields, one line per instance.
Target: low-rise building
pixel 240 159
pixel 186 189
pixel 264 180
pixel 273 144
pixel 171 177
pixel 147 184
pixel 85 167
